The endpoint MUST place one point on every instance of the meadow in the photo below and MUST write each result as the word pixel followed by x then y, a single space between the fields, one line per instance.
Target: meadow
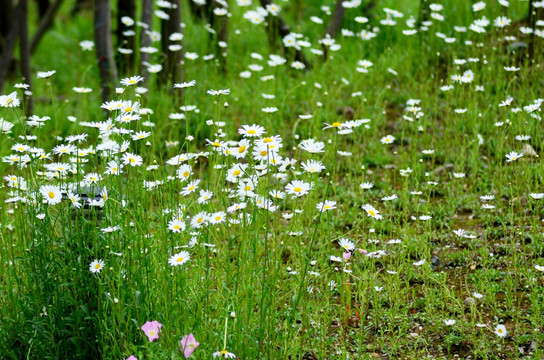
pixel 383 201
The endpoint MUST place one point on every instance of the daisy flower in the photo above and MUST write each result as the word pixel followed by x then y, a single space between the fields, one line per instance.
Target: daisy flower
pixel 218 217
pixel 133 80
pixel 10 100
pixel 313 166
pixel 132 159
pixel 74 198
pixel 224 353
pixel 500 331
pixel 191 187
pixel 346 244
pixel 312 146
pixel 366 186
pixel 176 226
pixel 251 130
pixel 371 211
pixel 326 205
pixel 179 258
pixel 298 188
pixel 513 156
pixel 45 74
pixel 51 194
pixel 96 266
pixel 184 172
pixel 387 139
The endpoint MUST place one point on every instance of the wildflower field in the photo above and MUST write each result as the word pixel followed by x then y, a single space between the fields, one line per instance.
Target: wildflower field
pixel 289 192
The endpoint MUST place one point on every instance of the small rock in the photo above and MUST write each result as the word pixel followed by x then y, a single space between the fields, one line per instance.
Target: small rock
pixel 347 111
pixel 435 262
pixel 469 301
pixel 440 170
pixel 529 151
pixel 518 45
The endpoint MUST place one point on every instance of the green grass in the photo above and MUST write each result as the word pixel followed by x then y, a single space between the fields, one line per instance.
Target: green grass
pixel 264 286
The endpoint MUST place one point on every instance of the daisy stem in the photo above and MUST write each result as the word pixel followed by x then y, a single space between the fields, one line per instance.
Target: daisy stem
pixel 226 328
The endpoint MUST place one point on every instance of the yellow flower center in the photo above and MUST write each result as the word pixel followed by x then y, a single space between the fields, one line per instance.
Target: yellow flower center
pixel 297 189
pixel 236 172
pixel 51 195
pixel 132 160
pixel 217 218
pixel 372 212
pixel 241 149
pixel 185 174
pixel 180 259
pixel 326 207
pixel 336 124
pixel 252 132
pixel 247 188
pixel 97 266
pixel 267 140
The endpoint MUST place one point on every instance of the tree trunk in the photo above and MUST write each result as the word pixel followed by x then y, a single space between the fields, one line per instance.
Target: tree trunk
pixel 45 24
pixel 7 51
pixel 126 62
pixel 336 19
pixel 5 21
pixel 423 12
pixel 104 47
pixel 147 18
pixel 24 48
pixel 532 22
pixel 172 71
pixel 43 5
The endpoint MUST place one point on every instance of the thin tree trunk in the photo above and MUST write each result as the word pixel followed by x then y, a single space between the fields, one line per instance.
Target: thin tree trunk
pixel 43 5
pixel 5 21
pixel 11 39
pixel 104 47
pixel 126 62
pixel 532 22
pixel 284 30
pixel 147 18
pixel 172 71
pixel 336 19
pixel 423 12
pixel 24 47
pixel 45 24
